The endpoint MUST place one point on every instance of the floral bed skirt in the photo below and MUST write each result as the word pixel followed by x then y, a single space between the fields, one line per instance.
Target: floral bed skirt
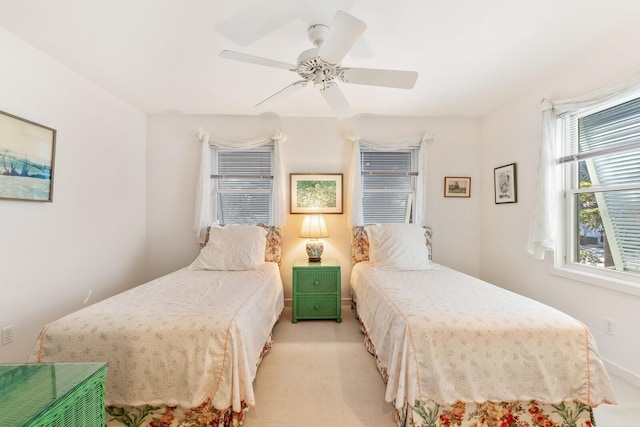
pixel 500 414
pixel 488 414
pixel 172 416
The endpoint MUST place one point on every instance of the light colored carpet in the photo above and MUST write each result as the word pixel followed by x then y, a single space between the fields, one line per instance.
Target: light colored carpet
pixel 626 413
pixel 318 373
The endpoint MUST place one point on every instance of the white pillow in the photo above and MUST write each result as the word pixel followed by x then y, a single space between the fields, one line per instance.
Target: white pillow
pixel 232 247
pixel 398 246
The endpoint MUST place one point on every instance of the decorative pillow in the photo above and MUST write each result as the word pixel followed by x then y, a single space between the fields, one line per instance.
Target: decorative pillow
pixel 273 251
pixel 359 245
pixel 398 246
pixel 233 247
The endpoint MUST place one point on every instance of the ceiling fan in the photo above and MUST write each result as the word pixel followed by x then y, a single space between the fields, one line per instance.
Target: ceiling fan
pixel 320 65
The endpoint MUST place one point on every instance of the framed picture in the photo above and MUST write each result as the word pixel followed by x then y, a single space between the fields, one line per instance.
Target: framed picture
pixel 457 186
pixel 505 184
pixel 316 193
pixel 26 159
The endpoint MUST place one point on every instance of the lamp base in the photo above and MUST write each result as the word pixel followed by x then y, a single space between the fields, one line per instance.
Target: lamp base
pixel 314 250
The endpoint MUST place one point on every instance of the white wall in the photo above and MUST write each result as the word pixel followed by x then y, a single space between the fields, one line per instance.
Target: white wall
pixel 313 145
pixel 512 134
pixel 91 238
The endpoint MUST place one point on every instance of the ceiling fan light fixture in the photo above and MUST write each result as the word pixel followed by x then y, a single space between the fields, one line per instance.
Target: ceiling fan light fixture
pixel 318 80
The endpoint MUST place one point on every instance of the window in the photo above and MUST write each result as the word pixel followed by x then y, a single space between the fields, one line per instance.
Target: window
pixel 388 185
pixel 601 175
pixel 242 183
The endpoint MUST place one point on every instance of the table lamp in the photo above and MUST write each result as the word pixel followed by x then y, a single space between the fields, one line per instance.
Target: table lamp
pixel 314 228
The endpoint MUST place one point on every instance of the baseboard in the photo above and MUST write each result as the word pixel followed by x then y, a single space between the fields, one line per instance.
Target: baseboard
pixel 622 373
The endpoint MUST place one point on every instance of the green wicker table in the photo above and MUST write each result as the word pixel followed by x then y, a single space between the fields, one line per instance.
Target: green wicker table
pixel 58 395
pixel 316 290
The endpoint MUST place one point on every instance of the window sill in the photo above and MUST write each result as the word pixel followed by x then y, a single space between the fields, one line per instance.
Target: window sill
pixel 609 280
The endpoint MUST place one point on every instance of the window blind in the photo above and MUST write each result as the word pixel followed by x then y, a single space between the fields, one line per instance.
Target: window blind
pixel 610 131
pixel 242 185
pixel 388 185
pixel 608 143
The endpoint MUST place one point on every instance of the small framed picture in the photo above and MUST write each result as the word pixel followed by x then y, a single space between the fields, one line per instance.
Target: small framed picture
pixel 316 193
pixel 27 152
pixel 457 186
pixel 505 184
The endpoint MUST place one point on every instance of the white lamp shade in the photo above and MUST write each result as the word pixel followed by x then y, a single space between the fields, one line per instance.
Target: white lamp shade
pixel 313 227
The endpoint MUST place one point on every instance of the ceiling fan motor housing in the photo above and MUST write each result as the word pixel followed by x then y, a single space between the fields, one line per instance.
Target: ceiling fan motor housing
pixel 314 68
pixel 311 66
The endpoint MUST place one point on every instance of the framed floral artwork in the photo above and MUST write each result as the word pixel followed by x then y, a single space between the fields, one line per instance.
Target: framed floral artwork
pixel 316 193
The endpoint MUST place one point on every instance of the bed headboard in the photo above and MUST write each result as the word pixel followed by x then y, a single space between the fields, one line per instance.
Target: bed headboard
pixel 360 243
pixel 273 250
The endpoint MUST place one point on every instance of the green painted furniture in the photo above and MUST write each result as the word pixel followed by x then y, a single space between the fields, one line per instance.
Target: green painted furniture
pixel 56 394
pixel 316 290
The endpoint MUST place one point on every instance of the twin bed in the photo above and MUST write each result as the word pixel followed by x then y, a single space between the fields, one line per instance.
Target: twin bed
pixel 182 349
pixel 457 351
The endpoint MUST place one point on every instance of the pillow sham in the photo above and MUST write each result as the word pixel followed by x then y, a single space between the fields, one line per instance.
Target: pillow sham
pixel 398 246
pixel 232 247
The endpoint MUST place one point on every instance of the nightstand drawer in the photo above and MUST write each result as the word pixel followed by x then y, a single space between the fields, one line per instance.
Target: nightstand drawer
pixel 316 306
pixel 317 281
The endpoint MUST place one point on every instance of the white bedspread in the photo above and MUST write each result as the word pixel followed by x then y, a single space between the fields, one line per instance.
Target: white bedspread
pixel 177 340
pixel 445 336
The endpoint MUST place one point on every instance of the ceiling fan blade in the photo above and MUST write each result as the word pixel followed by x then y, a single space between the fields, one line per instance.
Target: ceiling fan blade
pixel 238 56
pixel 337 101
pixel 377 77
pixel 288 90
pixel 344 32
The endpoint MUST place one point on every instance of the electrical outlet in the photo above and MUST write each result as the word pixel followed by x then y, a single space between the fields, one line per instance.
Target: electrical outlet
pixel 7 335
pixel 610 326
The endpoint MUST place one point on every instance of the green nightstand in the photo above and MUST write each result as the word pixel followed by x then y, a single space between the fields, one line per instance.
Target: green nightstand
pixel 316 290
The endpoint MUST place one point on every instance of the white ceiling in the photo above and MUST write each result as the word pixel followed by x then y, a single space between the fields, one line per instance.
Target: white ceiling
pixel 161 56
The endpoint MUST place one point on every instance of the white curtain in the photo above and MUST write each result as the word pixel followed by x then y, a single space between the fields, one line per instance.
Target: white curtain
pixel 203 188
pixel 355 187
pixel 543 234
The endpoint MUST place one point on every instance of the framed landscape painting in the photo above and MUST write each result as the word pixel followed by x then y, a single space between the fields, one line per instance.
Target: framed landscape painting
pixel 457 186
pixel 316 193
pixel 27 152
